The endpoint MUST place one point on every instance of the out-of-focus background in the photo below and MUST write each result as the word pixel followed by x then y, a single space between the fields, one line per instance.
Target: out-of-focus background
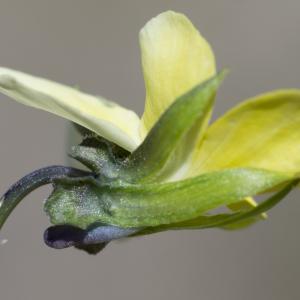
pixel 94 44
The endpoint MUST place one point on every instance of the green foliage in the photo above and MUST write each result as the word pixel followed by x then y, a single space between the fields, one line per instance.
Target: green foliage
pixel 153 204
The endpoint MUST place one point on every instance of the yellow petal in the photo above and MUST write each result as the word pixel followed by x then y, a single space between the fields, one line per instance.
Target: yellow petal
pixel 245 205
pixel 175 57
pixel 263 132
pixel 106 118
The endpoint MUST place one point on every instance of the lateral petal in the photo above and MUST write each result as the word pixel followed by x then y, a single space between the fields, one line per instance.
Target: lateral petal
pixel 263 132
pixel 106 118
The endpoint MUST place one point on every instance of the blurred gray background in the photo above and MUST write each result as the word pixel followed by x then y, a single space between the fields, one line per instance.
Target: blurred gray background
pixel 94 44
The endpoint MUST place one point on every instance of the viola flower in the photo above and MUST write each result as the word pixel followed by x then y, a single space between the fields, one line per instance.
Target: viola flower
pixel 168 169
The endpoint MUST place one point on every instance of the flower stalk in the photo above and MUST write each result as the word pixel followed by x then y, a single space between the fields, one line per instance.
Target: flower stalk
pixel 32 181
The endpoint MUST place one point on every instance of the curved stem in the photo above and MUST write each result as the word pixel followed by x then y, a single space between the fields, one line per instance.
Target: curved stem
pixel 31 182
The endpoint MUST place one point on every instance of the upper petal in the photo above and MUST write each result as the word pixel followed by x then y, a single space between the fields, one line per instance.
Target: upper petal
pixel 106 118
pixel 175 57
pixel 263 132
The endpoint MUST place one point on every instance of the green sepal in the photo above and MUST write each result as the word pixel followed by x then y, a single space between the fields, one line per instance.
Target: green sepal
pixel 77 204
pixel 100 155
pixel 145 205
pixel 226 221
pixel 172 139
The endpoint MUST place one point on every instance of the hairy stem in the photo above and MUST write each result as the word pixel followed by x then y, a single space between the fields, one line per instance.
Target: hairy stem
pixel 31 182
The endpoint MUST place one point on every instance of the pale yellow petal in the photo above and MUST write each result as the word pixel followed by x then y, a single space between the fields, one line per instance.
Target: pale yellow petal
pixel 175 57
pixel 103 117
pixel 263 132
pixel 246 204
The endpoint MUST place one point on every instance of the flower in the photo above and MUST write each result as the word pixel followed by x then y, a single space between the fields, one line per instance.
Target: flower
pixel 168 169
